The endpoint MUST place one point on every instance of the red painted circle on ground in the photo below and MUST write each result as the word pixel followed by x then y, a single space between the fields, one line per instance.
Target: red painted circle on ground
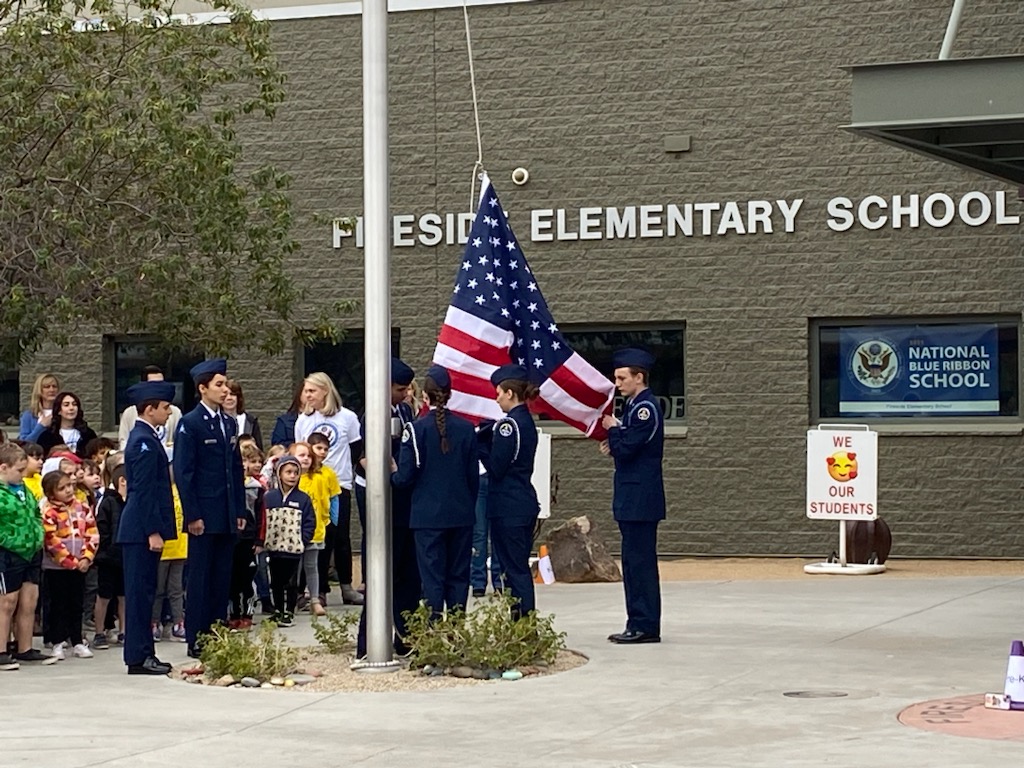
pixel 965 716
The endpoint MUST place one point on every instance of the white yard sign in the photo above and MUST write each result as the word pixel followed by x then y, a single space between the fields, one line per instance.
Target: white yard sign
pixel 842 474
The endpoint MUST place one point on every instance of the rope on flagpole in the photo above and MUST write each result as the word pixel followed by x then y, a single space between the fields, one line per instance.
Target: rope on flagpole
pixel 478 166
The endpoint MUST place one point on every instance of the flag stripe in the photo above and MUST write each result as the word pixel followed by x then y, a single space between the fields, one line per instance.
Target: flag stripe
pixel 571 383
pixel 472 385
pixel 473 346
pixel 478 328
pixel 474 408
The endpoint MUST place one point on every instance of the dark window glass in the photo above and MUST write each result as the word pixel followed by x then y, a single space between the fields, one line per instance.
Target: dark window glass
pixel 918 370
pixel 345 364
pixel 9 394
pixel 132 355
pixel 666 344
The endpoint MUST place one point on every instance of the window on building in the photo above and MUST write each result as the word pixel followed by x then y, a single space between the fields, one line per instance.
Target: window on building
pixel 344 362
pixel 596 345
pixel 129 355
pixel 9 395
pixel 912 368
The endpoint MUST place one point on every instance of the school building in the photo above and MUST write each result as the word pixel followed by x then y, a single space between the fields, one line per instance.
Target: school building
pixel 690 188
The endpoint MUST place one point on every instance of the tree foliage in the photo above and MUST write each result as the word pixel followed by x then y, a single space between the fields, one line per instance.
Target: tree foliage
pixel 126 201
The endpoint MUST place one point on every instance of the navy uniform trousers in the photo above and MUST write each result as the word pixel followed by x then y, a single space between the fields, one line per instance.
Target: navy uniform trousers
pixel 140 575
pixel 209 582
pixel 512 545
pixel 444 556
pixel 640 575
pixel 406 588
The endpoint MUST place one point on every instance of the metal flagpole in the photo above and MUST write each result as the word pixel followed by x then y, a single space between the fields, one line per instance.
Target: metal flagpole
pixel 377 294
pixel 951 29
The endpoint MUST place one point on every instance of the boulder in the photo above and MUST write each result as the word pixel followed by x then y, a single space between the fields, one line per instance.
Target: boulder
pixel 578 554
pixel 224 681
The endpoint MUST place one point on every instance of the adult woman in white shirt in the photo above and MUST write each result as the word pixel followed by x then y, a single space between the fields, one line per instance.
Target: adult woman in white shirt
pixel 324 413
pixel 68 426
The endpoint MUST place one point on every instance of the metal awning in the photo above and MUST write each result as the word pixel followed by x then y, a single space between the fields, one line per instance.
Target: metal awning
pixel 968 112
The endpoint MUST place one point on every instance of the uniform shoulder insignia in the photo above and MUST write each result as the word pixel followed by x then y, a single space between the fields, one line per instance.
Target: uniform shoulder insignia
pixel 143 448
pixel 643 413
pixel 406 435
pixel 505 430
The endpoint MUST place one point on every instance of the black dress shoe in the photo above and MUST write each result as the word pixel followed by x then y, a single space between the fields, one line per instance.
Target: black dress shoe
pixel 150 666
pixel 194 652
pixel 633 637
pixel 478 592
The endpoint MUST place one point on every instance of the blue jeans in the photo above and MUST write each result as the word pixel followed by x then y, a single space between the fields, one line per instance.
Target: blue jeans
pixel 478 565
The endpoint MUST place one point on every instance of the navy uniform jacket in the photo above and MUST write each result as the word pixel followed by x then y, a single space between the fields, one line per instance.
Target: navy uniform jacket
pixel 208 471
pixel 401 498
pixel 150 505
pixel 509 463
pixel 444 485
pixel 637 447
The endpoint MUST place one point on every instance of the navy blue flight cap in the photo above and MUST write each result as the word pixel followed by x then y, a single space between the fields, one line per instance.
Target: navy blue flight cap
pixel 440 376
pixel 151 390
pixel 631 357
pixel 510 371
pixel 214 365
pixel 401 374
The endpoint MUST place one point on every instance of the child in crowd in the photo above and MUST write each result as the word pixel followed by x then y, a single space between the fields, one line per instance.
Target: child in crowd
pixel 92 482
pixel 268 475
pixel 70 543
pixel 252 460
pixel 243 562
pixel 286 528
pixel 321 485
pixel 320 445
pixel 99 448
pixel 33 468
pixel 170 578
pixel 114 459
pixel 110 572
pixel 21 541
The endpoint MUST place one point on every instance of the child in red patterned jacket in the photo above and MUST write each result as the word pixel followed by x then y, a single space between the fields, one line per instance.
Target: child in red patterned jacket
pixel 70 542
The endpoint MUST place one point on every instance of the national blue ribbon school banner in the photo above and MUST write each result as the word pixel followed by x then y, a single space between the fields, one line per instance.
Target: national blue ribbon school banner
pixel 939 370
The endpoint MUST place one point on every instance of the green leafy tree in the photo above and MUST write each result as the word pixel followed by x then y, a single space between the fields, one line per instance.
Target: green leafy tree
pixel 126 200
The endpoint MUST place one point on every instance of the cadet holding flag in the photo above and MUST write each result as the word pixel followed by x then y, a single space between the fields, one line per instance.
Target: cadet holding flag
pixel 146 522
pixel 209 475
pixel 638 504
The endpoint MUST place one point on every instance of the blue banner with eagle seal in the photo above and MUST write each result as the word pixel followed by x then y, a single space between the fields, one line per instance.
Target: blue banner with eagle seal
pixel 911 370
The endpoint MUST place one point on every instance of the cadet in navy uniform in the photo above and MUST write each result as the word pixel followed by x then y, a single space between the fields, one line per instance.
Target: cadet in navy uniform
pixel 405 575
pixel 438 461
pixel 146 522
pixel 512 505
pixel 637 445
pixel 208 471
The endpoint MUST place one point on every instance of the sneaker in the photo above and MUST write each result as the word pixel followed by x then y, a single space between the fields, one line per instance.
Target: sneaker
pixel 8 663
pixel 158 632
pixel 120 639
pixel 178 632
pixel 31 655
pixel 100 642
pixel 82 651
pixel 58 652
pixel 303 603
pixel 286 620
pixel 351 596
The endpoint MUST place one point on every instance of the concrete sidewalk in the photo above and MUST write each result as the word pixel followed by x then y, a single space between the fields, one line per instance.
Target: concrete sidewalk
pixel 710 695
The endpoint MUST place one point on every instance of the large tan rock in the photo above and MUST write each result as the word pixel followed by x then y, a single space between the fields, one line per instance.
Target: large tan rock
pixel 578 554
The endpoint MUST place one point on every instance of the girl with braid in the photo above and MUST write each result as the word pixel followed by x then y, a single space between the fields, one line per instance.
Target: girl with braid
pixel 438 461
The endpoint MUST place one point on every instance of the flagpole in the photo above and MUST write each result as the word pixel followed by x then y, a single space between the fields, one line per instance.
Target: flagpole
pixel 377 440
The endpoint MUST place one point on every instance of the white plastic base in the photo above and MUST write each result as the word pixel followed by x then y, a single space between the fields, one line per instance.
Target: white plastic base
pixel 837 569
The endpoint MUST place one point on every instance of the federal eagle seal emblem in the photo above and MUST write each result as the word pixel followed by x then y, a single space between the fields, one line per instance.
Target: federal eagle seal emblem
pixel 875 364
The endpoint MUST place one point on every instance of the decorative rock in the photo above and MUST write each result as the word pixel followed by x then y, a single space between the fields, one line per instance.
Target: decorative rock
pixel 527 671
pixel 224 681
pixel 297 679
pixel 511 674
pixel 277 681
pixel 436 672
pixel 493 674
pixel 312 672
pixel 428 668
pixel 462 671
pixel 578 554
pixel 250 682
pixel 266 685
pixel 289 683
pixel 541 664
pixel 479 674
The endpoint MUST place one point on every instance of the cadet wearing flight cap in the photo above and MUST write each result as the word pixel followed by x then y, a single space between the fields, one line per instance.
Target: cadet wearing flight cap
pixel 405 575
pixel 146 522
pixel 208 472
pixel 512 505
pixel 438 463
pixel 638 502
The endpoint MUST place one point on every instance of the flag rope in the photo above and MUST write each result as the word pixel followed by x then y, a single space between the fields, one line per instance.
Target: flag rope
pixel 478 166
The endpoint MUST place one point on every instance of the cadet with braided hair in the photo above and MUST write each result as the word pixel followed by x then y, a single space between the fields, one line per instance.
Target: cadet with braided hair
pixel 512 505
pixel 438 460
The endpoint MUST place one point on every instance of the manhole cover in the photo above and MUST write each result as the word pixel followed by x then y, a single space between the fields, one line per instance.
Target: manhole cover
pixel 815 694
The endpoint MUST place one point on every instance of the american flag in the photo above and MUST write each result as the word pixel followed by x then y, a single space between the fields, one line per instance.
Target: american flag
pixel 497 315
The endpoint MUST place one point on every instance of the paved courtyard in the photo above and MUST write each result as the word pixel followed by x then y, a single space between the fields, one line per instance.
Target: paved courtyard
pixel 710 695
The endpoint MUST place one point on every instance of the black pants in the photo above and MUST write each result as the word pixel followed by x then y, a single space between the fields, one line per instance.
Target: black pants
pixel 209 582
pixel 339 543
pixel 141 569
pixel 640 576
pixel 406 588
pixel 64 591
pixel 513 543
pixel 443 556
pixel 243 569
pixel 284 571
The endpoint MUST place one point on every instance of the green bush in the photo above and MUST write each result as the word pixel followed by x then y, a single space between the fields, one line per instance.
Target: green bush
pixel 262 654
pixel 336 634
pixel 485 638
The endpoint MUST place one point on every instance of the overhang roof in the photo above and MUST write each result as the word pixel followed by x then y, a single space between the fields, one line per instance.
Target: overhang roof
pixel 968 112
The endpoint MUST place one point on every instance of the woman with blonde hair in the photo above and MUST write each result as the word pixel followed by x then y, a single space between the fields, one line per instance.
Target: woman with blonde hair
pixel 39 415
pixel 323 412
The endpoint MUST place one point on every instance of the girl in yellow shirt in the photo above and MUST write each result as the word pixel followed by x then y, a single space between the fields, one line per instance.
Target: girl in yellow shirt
pixel 321 485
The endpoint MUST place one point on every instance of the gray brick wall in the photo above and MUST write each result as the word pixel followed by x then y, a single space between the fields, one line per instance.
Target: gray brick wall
pixel 583 92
